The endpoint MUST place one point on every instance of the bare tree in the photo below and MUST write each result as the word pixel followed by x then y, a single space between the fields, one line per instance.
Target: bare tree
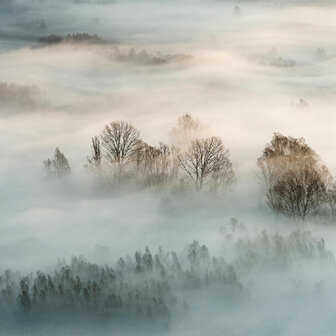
pixel 138 157
pixel 57 167
pixel 96 165
pixel 120 140
pixel 158 164
pixel 95 160
pixel 203 158
pixel 222 177
pixel 186 130
pixel 299 193
pixel 295 178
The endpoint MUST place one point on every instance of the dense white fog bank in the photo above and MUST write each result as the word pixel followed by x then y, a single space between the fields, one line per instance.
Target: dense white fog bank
pixel 159 240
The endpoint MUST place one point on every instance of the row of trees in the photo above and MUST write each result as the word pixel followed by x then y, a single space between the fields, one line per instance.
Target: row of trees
pixel 70 38
pixel 119 156
pixel 277 251
pixel 147 58
pixel 143 287
pixel 149 287
pixel 24 95
pixel 298 185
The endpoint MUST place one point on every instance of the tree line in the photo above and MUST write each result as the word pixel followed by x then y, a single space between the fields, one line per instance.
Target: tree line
pixel 297 183
pixel 147 58
pixel 24 95
pixel 71 38
pixel 143 287
pixel 151 287
pixel 265 249
pixel 119 156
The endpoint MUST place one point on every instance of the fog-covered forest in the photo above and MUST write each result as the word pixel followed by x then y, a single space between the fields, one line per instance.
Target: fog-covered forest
pixel 167 167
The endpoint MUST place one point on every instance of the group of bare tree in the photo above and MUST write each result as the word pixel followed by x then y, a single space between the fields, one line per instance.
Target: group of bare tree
pixel 298 184
pixel 118 155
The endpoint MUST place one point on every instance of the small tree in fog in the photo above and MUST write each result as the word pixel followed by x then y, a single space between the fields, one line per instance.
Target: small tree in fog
pixel 95 159
pixel 120 140
pixel 296 180
pixel 186 130
pixel 237 11
pixel 57 167
pixel 96 165
pixel 204 158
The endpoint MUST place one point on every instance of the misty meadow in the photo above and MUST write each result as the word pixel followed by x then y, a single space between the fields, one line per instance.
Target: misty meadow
pixel 167 167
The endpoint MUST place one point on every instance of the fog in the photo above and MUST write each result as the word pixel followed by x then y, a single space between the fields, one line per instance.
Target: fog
pixel 244 70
